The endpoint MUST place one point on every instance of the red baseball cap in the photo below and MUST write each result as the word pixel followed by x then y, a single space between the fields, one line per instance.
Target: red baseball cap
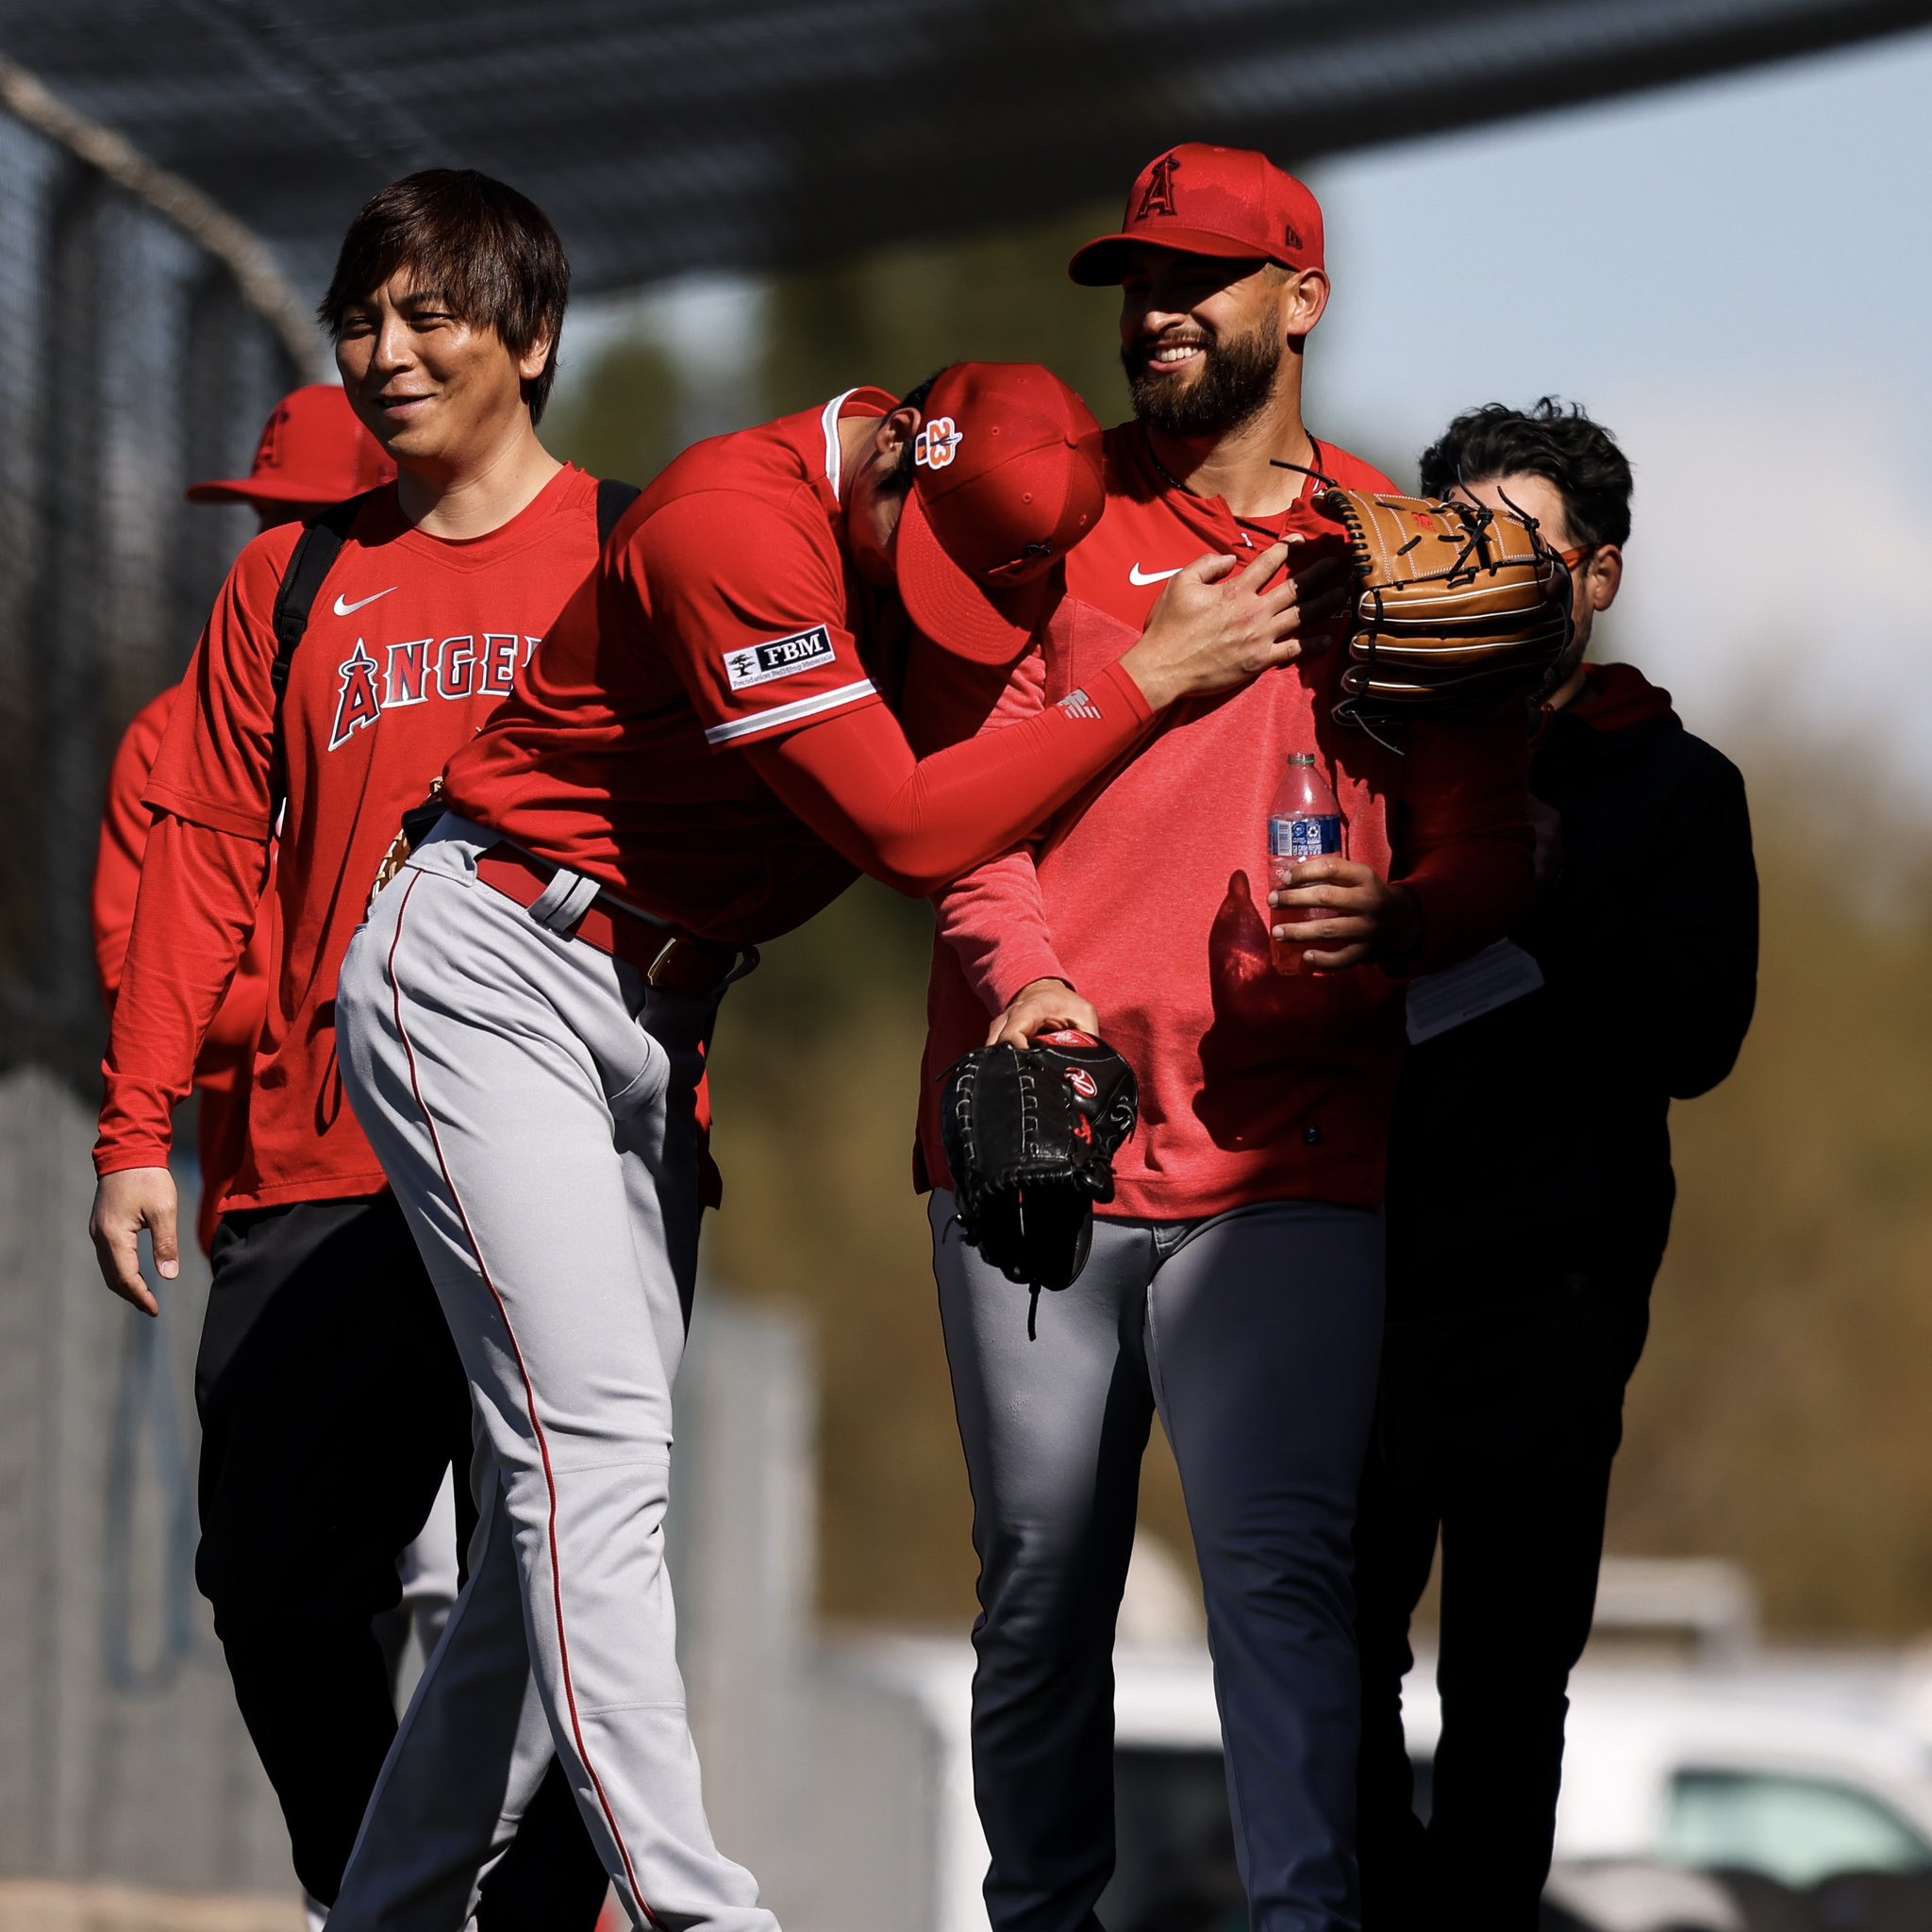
pixel 1007 478
pixel 1198 200
pixel 313 449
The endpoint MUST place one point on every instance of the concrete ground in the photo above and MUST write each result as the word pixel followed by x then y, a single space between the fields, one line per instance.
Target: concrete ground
pixel 33 1905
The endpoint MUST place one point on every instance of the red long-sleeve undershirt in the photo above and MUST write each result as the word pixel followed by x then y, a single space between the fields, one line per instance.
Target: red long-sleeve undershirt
pixel 201 891
pixel 914 823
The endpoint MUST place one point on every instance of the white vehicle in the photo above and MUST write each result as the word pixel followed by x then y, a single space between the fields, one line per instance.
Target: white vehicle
pixel 1793 1766
pixel 840 1766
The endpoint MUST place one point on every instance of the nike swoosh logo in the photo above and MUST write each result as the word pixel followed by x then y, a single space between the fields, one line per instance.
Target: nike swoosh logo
pixel 344 610
pixel 1138 575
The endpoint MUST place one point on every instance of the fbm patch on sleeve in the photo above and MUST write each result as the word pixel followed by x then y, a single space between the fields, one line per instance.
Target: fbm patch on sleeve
pixel 753 664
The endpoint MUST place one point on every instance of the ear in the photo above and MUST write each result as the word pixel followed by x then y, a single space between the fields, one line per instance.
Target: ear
pixel 894 432
pixel 1304 301
pixel 1606 576
pixel 531 364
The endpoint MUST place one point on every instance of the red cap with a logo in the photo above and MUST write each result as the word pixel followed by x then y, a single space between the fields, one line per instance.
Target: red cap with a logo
pixel 1229 202
pixel 313 450
pixel 1007 478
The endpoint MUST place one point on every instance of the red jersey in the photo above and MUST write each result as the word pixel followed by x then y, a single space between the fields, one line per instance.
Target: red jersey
pixel 412 642
pixel 705 732
pixel 1148 893
pixel 221 1071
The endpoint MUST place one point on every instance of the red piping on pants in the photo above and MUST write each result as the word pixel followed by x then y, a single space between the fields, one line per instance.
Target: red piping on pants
pixel 530 1403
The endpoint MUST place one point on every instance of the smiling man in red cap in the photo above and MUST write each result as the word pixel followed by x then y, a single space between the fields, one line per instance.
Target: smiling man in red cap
pixel 1235 1282
pixel 700 757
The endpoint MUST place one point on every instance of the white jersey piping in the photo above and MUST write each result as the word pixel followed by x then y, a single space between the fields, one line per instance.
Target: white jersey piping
pixel 793 713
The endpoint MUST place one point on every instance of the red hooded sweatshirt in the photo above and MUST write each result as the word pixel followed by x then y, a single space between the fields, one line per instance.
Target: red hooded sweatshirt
pixel 1147 893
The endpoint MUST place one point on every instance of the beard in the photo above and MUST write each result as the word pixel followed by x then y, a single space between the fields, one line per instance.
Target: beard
pixel 1235 384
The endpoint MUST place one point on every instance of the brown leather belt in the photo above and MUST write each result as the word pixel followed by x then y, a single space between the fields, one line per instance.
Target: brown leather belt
pixel 671 961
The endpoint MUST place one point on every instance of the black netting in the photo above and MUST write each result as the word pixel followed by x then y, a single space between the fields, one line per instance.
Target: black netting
pixel 132 367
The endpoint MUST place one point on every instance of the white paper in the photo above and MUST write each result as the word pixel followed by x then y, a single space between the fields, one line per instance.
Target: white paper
pixel 1438 1002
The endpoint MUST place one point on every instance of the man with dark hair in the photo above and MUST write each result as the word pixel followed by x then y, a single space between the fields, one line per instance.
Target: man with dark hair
pixel 487 254
pixel 699 759
pixel 330 1397
pixel 1235 1280
pixel 1529 1202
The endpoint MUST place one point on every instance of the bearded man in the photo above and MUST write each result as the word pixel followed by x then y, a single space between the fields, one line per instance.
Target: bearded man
pixel 1234 1283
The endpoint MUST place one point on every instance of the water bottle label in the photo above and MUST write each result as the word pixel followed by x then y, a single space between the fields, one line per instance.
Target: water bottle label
pixel 1299 839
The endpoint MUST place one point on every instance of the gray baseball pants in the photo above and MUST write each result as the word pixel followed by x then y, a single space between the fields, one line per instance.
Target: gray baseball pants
pixel 1257 1335
pixel 533 1105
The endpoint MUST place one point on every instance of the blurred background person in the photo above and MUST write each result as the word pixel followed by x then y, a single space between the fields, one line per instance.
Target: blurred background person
pixel 1529 1202
pixel 313 453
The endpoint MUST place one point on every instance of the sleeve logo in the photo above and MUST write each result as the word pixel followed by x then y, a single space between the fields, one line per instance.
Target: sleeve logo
pixel 781 657
pixel 934 446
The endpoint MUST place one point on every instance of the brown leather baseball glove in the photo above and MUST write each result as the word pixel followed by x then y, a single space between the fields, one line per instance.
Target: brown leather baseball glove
pixel 1458 606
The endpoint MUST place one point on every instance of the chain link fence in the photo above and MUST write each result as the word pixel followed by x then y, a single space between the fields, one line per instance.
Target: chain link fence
pixel 144 339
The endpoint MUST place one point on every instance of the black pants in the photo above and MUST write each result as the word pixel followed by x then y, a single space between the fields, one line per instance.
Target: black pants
pixel 1496 1428
pixel 331 1402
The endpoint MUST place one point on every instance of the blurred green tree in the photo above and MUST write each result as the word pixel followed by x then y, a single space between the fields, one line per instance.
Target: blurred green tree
pixel 893 318
pixel 618 417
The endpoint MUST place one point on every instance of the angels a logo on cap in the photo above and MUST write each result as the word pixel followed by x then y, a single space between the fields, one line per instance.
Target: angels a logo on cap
pixel 1159 199
pixel 268 453
pixel 933 447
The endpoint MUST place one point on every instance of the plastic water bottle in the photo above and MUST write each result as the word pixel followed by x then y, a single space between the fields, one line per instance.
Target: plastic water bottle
pixel 1304 822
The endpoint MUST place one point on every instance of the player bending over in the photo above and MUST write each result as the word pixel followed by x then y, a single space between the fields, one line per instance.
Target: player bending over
pixel 700 757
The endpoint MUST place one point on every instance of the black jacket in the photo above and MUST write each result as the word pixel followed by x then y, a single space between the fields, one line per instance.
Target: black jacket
pixel 1534 1142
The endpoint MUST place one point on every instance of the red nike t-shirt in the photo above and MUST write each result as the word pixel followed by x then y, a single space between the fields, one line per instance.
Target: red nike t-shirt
pixel 412 642
pixel 725 614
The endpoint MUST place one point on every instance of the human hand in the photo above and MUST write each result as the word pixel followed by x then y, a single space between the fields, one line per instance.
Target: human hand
pixel 124 1203
pixel 1361 912
pixel 1216 625
pixel 1044 1007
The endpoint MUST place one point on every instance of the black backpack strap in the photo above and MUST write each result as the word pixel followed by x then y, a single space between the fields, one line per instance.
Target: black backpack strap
pixel 310 564
pixel 613 499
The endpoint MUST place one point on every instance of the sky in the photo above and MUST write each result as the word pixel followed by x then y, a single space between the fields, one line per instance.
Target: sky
pixel 1735 278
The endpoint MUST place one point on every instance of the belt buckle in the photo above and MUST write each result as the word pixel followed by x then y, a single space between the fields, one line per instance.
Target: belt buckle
pixel 665 953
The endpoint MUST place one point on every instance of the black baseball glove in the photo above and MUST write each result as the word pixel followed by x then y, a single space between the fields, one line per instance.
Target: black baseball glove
pixel 1030 1135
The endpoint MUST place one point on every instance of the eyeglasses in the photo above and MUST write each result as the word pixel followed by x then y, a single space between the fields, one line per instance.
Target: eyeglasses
pixel 1573 558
